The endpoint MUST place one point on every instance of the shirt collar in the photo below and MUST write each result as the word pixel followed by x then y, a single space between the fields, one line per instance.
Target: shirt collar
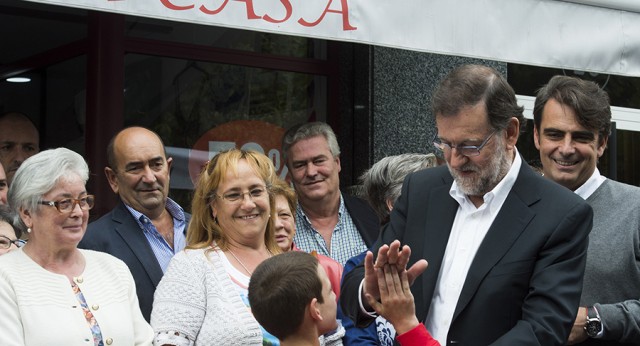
pixel 172 207
pixel 342 208
pixel 499 192
pixel 591 185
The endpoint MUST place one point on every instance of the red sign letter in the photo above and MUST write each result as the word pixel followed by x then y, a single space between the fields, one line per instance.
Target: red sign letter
pixel 216 11
pixel 251 14
pixel 345 16
pixel 287 6
pixel 169 5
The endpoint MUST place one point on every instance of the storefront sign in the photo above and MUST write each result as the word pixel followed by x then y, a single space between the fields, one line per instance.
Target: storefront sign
pixel 576 35
pixel 254 135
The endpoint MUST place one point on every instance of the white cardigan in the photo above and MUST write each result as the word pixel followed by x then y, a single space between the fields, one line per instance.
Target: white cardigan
pixel 197 299
pixel 38 307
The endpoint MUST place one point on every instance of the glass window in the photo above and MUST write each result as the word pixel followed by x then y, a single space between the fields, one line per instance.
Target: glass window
pixel 200 108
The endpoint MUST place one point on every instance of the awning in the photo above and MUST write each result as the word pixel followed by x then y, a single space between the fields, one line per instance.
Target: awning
pixel 598 36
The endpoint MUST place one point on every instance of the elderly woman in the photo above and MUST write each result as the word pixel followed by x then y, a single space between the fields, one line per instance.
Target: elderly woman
pixel 52 293
pixel 10 230
pixel 202 299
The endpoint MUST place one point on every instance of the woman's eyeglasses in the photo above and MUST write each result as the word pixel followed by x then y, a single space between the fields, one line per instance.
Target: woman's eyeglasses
pixel 5 242
pixel 237 197
pixel 66 205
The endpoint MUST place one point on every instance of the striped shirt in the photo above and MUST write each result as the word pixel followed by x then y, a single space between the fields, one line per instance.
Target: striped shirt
pixel 160 247
pixel 346 241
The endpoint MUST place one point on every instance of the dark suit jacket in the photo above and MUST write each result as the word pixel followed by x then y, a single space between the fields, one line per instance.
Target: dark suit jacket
pixel 524 284
pixel 364 217
pixel 118 234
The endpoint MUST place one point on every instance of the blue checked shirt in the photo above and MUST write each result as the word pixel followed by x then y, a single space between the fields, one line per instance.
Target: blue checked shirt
pixel 346 241
pixel 160 248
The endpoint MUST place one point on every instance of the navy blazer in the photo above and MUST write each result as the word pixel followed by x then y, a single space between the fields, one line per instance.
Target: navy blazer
pixel 525 282
pixel 118 234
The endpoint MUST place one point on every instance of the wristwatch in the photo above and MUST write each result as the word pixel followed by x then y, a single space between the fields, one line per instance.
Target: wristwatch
pixel 593 327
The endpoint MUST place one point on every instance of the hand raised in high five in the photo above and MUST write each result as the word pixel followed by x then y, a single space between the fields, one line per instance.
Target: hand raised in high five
pixel 392 255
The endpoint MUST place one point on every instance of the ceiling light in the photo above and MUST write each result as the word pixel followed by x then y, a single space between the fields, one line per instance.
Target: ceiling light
pixel 19 80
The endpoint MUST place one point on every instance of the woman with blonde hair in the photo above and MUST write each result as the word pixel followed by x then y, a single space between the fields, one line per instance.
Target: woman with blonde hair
pixel 202 299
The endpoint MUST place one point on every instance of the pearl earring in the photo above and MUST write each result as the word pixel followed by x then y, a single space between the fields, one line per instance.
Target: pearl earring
pixel 29 230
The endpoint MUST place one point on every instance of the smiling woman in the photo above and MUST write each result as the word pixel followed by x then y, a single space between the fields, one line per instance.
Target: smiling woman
pixel 90 296
pixel 230 234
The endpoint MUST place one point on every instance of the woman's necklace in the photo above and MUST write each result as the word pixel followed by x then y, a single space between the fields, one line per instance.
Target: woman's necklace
pixel 239 261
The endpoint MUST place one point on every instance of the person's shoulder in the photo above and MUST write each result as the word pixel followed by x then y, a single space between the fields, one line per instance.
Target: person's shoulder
pixel 620 187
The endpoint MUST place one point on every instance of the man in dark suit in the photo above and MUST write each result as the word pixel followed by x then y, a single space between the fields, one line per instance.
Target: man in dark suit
pixel 330 222
pixel 506 248
pixel 146 228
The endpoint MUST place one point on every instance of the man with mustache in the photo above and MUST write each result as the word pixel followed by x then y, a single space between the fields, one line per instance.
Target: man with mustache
pixel 332 223
pixel 19 140
pixel 572 119
pixel 146 228
pixel 506 248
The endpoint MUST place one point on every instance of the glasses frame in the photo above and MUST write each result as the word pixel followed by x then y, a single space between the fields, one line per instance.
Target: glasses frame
pixel 242 194
pixel 464 150
pixel 17 242
pixel 76 201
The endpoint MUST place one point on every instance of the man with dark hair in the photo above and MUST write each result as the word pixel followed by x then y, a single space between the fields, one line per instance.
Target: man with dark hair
pixel 506 248
pixel 332 223
pixel 291 297
pixel 572 119
pixel 146 228
pixel 19 140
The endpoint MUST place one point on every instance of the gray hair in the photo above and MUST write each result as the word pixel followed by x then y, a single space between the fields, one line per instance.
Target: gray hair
pixel 40 173
pixel 383 181
pixel 8 215
pixel 308 130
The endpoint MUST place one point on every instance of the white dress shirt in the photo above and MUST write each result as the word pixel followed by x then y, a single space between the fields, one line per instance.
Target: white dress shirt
pixel 591 185
pixel 469 228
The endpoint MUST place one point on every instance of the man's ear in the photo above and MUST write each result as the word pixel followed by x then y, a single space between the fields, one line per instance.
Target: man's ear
pixel 111 177
pixel 314 310
pixel 602 144
pixel 536 137
pixel 513 132
pixel 169 162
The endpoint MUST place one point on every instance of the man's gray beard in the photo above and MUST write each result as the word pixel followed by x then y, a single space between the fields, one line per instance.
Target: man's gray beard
pixel 479 186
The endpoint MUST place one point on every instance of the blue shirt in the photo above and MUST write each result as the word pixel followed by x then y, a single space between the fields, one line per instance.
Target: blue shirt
pixel 160 247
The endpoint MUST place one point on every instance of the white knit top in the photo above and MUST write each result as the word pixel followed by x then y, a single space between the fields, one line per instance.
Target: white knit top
pixel 38 307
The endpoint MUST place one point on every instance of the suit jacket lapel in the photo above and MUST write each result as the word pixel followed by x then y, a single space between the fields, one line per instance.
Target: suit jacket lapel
pixel 443 208
pixel 510 222
pixel 133 237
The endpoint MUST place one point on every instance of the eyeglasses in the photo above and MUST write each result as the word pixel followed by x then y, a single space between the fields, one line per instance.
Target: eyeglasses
pixel 5 242
pixel 466 150
pixel 66 205
pixel 237 197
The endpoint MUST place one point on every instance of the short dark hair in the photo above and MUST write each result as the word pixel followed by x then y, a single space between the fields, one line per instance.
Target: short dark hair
pixel 468 85
pixel 10 216
pixel 280 290
pixel 586 98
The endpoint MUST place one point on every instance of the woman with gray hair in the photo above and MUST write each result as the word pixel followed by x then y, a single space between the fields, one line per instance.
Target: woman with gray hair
pixel 382 183
pixel 52 293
